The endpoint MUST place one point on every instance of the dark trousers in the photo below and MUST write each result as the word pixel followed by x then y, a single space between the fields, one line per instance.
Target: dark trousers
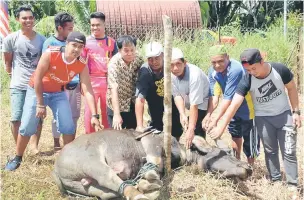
pixel 177 129
pixel 129 118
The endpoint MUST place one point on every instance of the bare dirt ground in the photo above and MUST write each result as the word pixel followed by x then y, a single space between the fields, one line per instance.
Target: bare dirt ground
pixel 33 180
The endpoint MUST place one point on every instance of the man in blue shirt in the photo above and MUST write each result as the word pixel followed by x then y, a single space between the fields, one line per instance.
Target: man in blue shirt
pixel 64 24
pixel 224 76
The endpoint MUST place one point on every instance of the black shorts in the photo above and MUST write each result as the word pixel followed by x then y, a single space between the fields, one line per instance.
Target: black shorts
pixel 239 128
pixel 177 129
pixel 129 118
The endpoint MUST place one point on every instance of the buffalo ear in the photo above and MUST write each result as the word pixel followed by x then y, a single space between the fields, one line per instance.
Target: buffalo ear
pixel 200 145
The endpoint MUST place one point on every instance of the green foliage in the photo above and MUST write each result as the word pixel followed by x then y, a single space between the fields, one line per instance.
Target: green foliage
pixel 205 12
pixel 13 24
pixel 46 26
pixel 4 87
pixel 40 8
pixel 81 12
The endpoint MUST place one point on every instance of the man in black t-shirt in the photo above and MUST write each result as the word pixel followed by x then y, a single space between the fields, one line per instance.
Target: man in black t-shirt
pixel 150 87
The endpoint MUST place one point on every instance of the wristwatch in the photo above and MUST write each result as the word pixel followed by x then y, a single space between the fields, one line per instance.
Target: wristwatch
pixel 296 112
pixel 96 116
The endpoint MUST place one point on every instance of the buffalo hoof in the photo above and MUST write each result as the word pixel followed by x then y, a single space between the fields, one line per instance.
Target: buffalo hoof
pixel 151 175
pixel 145 186
pixel 86 181
pixel 140 197
pixel 152 195
pixel 131 193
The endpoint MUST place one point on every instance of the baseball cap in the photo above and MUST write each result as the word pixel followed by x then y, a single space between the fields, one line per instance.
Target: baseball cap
pixel 251 56
pixel 177 54
pixel 153 49
pixel 217 50
pixel 76 36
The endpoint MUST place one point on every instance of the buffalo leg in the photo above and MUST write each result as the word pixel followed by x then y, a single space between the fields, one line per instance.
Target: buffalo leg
pixel 106 177
pixel 92 190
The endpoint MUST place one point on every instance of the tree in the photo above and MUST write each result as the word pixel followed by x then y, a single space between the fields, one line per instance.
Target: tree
pixel 222 12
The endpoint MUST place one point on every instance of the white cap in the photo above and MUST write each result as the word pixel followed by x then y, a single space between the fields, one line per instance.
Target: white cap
pixel 177 54
pixel 153 49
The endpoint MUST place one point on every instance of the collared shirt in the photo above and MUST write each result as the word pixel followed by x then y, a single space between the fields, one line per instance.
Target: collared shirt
pixel 225 84
pixel 193 87
pixel 124 76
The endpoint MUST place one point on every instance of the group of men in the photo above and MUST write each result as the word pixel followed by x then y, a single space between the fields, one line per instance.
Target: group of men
pixel 254 102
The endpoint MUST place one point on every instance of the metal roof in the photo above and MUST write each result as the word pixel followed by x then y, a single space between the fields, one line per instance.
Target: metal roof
pixel 140 17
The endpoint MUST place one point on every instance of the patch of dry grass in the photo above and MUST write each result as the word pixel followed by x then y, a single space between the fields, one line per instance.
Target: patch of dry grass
pixel 33 179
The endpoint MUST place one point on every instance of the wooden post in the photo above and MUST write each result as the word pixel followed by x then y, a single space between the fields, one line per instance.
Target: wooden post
pixel 301 61
pixel 167 22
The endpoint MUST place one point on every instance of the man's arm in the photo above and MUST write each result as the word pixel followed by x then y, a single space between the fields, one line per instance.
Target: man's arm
pixel 139 111
pixel 193 114
pixel 8 60
pixel 142 86
pixel 180 105
pixel 8 53
pixel 87 90
pixel 42 67
pixel 89 95
pixel 234 77
pixel 215 92
pixel 236 102
pixel 293 95
pixel 294 101
pixel 242 89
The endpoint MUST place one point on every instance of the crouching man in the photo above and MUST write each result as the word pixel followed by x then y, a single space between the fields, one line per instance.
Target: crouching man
pixel 276 120
pixel 55 69
pixel 190 89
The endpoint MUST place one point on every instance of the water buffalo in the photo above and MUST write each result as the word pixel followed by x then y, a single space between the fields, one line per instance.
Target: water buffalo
pixel 99 164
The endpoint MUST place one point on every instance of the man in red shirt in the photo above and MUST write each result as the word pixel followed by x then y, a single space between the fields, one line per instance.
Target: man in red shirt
pixel 99 50
pixel 55 70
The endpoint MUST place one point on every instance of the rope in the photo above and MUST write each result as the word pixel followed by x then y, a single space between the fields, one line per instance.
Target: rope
pixel 132 182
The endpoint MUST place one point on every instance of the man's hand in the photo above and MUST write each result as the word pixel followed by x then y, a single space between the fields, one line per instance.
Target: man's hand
pixel 212 124
pixel 117 122
pixel 206 122
pixel 189 138
pixel 296 120
pixel 96 124
pixel 216 132
pixel 140 129
pixel 41 112
pixel 184 121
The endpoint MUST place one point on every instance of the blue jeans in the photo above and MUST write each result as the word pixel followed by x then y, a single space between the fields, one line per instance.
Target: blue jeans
pixel 59 105
pixel 17 102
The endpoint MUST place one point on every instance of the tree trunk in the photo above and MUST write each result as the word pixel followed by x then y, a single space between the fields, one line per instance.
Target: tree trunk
pixel 167 22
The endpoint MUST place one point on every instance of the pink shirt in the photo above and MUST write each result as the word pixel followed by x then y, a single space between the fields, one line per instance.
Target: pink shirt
pixel 99 52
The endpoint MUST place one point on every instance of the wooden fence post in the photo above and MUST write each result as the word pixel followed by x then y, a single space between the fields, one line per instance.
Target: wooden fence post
pixel 167 22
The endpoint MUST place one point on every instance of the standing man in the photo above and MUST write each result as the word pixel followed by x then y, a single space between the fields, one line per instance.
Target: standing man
pixel 46 88
pixel 275 121
pixel 224 76
pixel 99 49
pixel 150 87
pixel 122 75
pixel 190 88
pixel 22 50
pixel 64 24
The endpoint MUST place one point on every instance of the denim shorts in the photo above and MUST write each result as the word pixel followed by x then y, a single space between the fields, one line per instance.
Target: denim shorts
pixel 59 104
pixel 17 97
